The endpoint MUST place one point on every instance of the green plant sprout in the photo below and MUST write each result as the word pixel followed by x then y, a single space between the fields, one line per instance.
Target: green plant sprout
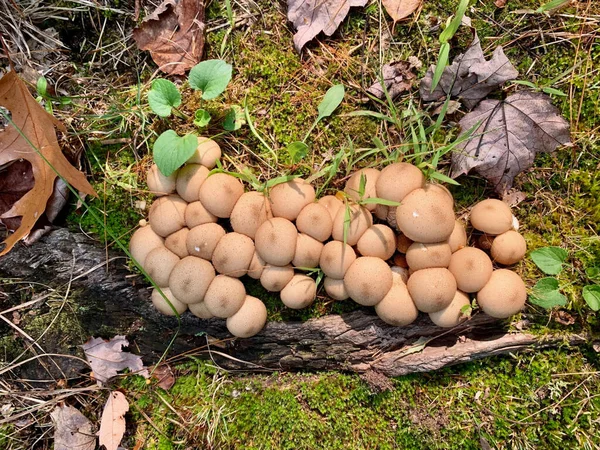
pixel 42 91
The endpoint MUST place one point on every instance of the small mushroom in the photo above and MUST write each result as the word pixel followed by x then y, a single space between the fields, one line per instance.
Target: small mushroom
pixel 397 307
pixel 274 278
pixel 432 289
pixel 196 214
pixel 142 242
pixel 167 215
pixel 315 221
pixel 400 261
pixel 336 258
pixel 471 268
pixel 484 242
pixel 491 216
pixel 256 266
pixel 158 184
pixel 403 243
pixel 308 252
pixel 379 241
pixel 224 296
pixel 276 241
pixel 288 199
pixel 503 295
pixel 508 248
pixel 360 220
pixel 207 153
pixel 189 180
pixel 452 314
pixel 402 271
pixel 202 240
pixel 161 304
pixel 458 238
pixel 250 212
pixel 159 264
pixel 219 193
pixel 300 292
pixel 381 211
pixel 352 188
pixel 423 256
pixel 426 216
pixel 249 320
pixel 200 310
pixel 176 242
pixel 335 288
pixel 368 280
pixel 398 180
pixel 190 278
pixel 332 204
pixel 233 254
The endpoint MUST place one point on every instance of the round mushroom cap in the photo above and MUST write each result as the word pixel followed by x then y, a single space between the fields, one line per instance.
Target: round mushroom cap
pixel 315 220
pixel 202 240
pixel 402 271
pixel 158 184
pixel 249 320
pixel 440 188
pixel 336 258
pixel 196 214
pixel 397 307
pixel 207 153
pixel 432 289
pixel 161 305
pixel 288 199
pixel 398 180
pixel 471 268
pixel 159 264
pixel 381 211
pixel 308 252
pixel 423 256
pixel 189 180
pixel 224 296
pixel 300 292
pixel 276 241
pixel 142 242
pixel 379 241
pixel 458 238
pixel 452 314
pixel 275 278
pixel 335 288
pixel 491 216
pixel 219 193
pixel 176 242
pixel 508 248
pixel 368 280
pixel 332 204
pixel 403 243
pixel 426 216
pixel 200 310
pixel 485 241
pixel 256 266
pixel 167 215
pixel 503 295
pixel 233 254
pixel 250 212
pixel 360 220
pixel 352 188
pixel 190 278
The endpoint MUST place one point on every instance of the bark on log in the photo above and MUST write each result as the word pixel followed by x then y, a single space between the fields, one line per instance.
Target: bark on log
pixel 111 301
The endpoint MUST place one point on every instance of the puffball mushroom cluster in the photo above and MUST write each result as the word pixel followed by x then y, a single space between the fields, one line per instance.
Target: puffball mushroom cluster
pixel 205 232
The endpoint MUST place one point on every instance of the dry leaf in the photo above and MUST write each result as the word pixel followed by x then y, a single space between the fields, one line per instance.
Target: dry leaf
pixel 112 424
pixel 398 77
pixel 174 35
pixel 310 17
pixel 513 197
pixel 72 430
pixel 107 358
pixel 164 375
pixel 399 9
pixel 510 134
pixel 500 3
pixel 39 128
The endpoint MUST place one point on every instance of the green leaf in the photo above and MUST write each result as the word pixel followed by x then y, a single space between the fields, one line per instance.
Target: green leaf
pixel 211 77
pixel 525 83
pixel 235 118
pixel 552 91
pixel 201 118
pixel 379 201
pixel 591 295
pixel 443 178
pixel 549 259
pixel 593 273
pixel 279 180
pixel 373 114
pixel 347 220
pixel 442 62
pixel 172 151
pixel 546 294
pixel 163 96
pixel 452 27
pixel 362 185
pixel 551 5
pixel 333 98
pixel 42 86
pixel 297 151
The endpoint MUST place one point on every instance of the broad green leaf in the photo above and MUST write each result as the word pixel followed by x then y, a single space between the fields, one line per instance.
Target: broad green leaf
pixel 201 118
pixel 442 62
pixel 333 98
pixel 591 295
pixel 593 273
pixel 297 151
pixel 549 259
pixel 172 151
pixel 42 86
pixel 163 96
pixel 546 294
pixel 211 77
pixel 235 119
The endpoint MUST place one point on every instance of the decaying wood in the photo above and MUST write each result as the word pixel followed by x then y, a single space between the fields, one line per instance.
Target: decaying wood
pixel 111 301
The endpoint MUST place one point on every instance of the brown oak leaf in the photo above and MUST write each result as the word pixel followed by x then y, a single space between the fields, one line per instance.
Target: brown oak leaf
pixel 72 430
pixel 112 424
pixel 400 9
pixel 398 77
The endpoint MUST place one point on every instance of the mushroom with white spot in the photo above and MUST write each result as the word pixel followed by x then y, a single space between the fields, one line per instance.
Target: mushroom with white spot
pixel 425 216
pixel 202 240
pixel 332 204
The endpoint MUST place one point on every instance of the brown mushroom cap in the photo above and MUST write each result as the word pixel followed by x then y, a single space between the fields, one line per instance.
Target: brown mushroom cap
pixel 249 320
pixel 400 261
pixel 200 310
pixel 458 238
pixel 471 268
pixel 308 252
pixel 503 295
pixel 196 214
pixel 219 193
pixel 315 220
pixel 403 243
pixel 451 315
pixel 161 305
pixel 190 278
pixel 332 204
pixel 484 242
pixel 379 241
pixel 142 242
pixel 508 248
pixel 335 288
pixel 224 296
pixel 176 242
pixel 423 256
pixel 432 289
pixel 491 216
pixel 336 258
pixel 167 215
pixel 288 199
pixel 426 216
pixel 257 264
pixel 202 240
pixel 207 153
pixel 233 254
pixel 274 278
pixel 352 188
pixel 159 263
pixel 397 307
pixel 276 241
pixel 391 218
pixel 381 211
pixel 360 220
pixel 158 184
pixel 398 180
pixel 368 280
pixel 300 292
pixel 189 180
pixel 250 212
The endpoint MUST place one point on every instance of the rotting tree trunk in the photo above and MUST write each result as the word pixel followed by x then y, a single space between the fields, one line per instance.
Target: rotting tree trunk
pixel 111 301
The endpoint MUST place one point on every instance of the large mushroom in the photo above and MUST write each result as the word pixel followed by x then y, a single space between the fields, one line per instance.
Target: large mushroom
pixel 368 280
pixel 167 215
pixel 249 213
pixel 288 199
pixel 250 318
pixel 219 193
pixel 233 254
pixel 276 241
pixel 426 216
pixel 190 278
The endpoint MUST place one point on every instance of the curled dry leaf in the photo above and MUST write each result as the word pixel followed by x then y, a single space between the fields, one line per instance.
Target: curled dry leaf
pixel 398 77
pixel 400 9
pixel 513 197
pixel 72 430
pixel 112 424
pixel 164 375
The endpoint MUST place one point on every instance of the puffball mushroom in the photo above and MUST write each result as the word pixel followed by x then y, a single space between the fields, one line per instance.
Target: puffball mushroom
pixel 257 264
pixel 423 256
pixel 196 214
pixel 275 278
pixel 398 180
pixel 190 278
pixel 352 188
pixel 288 199
pixel 159 263
pixel 233 254
pixel 451 315
pixel 440 188
pixel 368 280
pixel 403 243
pixel 308 251
pixel 207 153
pixel 224 296
pixel 249 320
pixel 360 220
pixel 219 194
pixel 176 242
pixel 189 180
pixel 379 241
pixel 202 240
pixel 432 289
pixel 332 204
pixel 471 268
pixel 161 305
pixel 158 184
pixel 167 215
pixel 381 211
pixel 142 242
pixel 508 248
pixel 200 310
pixel 315 221
pixel 491 216
pixel 336 258
pixel 503 295
pixel 397 307
pixel 335 288
pixel 402 271
pixel 300 292
pixel 276 241
pixel 250 212
pixel 458 238
pixel 426 216
pixel 484 242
